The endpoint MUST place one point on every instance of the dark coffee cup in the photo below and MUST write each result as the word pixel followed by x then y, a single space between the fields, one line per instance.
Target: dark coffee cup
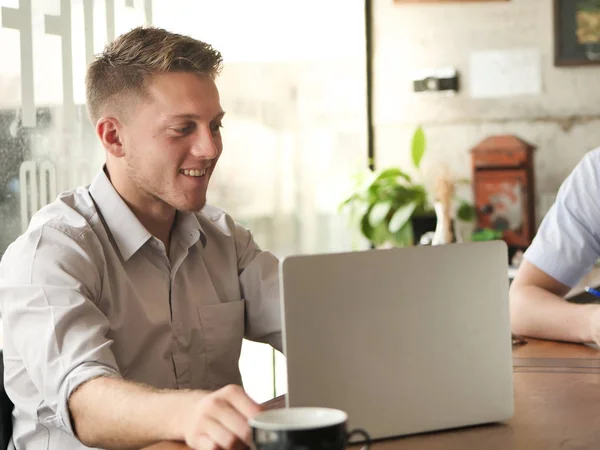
pixel 303 428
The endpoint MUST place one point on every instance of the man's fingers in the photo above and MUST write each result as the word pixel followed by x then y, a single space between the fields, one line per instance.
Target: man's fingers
pixel 204 442
pixel 222 436
pixel 221 422
pixel 234 421
pixel 240 401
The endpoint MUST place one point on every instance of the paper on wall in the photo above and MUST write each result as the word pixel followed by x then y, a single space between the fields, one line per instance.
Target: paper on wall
pixel 505 73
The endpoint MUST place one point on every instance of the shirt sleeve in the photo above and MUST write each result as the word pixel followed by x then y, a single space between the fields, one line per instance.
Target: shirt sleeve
pixel 259 284
pixel 567 243
pixel 47 282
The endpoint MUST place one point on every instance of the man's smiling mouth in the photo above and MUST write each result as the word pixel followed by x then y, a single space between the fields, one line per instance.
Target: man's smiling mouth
pixel 194 172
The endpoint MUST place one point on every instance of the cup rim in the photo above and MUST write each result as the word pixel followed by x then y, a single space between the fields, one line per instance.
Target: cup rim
pixel 270 420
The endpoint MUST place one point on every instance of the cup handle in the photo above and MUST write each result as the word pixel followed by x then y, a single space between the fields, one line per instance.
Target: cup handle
pixel 362 433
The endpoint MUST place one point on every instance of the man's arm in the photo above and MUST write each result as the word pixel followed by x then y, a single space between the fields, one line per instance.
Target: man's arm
pixel 259 284
pixel 113 413
pixel 49 283
pixel 275 403
pixel 565 248
pixel 538 309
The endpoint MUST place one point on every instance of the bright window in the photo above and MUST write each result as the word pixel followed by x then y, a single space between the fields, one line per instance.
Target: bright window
pixel 293 86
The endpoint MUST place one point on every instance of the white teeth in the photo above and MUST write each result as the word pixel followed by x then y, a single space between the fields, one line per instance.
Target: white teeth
pixel 194 172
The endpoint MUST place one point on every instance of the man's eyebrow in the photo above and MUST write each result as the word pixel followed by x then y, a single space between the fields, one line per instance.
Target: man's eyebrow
pixel 193 116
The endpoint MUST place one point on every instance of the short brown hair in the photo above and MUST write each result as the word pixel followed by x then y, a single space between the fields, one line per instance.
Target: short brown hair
pixel 125 65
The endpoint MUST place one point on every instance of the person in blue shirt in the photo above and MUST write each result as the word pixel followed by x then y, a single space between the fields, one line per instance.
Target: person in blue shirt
pixel 565 248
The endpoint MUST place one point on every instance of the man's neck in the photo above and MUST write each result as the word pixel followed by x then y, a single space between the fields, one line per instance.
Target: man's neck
pixel 158 223
pixel 156 216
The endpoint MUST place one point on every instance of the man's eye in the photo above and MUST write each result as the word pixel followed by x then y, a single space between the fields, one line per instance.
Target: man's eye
pixel 215 127
pixel 185 130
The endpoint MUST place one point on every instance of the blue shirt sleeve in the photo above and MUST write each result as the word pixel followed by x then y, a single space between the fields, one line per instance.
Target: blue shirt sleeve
pixel 567 243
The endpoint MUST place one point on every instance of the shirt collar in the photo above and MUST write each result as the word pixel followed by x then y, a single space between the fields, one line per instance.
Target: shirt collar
pixel 187 227
pixel 126 229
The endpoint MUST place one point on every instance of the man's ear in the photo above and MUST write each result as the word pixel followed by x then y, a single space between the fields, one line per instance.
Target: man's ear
pixel 109 130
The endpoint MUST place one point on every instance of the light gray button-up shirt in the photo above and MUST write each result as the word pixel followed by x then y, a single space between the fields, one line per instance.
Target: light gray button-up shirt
pixel 87 291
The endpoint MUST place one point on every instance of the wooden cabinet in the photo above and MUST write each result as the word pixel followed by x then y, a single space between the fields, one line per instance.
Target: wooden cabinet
pixel 503 188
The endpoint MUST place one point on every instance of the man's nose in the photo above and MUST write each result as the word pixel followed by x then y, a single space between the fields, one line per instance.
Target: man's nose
pixel 204 145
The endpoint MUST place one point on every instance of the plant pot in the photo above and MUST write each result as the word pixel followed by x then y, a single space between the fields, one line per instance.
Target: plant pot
pixel 464 230
pixel 423 223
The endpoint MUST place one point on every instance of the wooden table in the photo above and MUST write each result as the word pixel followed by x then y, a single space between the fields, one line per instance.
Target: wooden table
pixel 557 405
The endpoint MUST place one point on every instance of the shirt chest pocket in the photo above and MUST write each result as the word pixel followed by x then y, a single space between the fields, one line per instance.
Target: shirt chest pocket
pixel 223 326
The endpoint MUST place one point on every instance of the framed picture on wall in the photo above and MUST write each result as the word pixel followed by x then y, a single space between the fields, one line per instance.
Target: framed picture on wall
pixel 576 32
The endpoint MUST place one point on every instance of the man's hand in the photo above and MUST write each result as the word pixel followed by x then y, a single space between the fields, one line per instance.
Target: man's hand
pixel 116 414
pixel 219 420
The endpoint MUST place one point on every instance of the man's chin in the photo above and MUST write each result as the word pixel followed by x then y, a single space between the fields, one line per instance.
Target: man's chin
pixel 192 207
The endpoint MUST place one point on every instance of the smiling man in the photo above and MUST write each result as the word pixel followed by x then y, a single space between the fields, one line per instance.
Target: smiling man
pixel 125 303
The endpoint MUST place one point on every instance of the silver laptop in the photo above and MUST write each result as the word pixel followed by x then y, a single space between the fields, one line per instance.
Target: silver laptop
pixel 404 340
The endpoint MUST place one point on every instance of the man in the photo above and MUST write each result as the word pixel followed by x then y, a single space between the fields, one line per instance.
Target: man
pixel 565 248
pixel 125 303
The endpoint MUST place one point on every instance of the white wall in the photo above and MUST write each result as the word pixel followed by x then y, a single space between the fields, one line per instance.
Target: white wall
pixel 563 121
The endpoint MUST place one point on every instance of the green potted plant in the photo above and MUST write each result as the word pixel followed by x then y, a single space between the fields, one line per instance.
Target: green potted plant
pixel 465 220
pixel 384 202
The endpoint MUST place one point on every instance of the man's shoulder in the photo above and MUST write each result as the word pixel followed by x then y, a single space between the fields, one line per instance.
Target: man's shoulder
pixel 60 230
pixel 71 214
pixel 583 178
pixel 590 163
pixel 591 156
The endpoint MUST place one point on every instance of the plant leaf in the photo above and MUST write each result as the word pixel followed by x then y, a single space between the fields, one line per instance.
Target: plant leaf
pixel 378 213
pixel 376 235
pixel 466 211
pixel 405 236
pixel 353 198
pixel 363 179
pixel 381 234
pixel 365 228
pixel 401 216
pixel 393 173
pixel 418 146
